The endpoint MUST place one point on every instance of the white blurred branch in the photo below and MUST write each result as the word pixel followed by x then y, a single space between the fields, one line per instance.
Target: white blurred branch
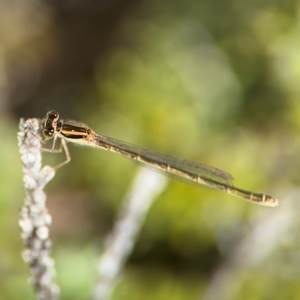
pixel 258 249
pixel 145 189
pixel 35 219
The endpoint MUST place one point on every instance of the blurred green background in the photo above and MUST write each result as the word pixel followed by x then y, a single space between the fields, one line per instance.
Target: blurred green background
pixel 215 82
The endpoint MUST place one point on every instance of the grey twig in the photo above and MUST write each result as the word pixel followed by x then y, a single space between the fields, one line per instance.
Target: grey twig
pixel 34 217
pixel 146 187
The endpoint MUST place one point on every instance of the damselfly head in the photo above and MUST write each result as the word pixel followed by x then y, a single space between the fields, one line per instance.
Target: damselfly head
pixel 49 123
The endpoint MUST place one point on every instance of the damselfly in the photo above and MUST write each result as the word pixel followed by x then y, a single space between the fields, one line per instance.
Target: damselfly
pixel 198 173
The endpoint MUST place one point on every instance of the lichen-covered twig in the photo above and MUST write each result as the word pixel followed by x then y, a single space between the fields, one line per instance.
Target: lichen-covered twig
pixel 34 217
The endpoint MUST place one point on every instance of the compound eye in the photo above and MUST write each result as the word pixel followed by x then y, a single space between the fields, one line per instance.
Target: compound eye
pixel 52 114
pixel 48 133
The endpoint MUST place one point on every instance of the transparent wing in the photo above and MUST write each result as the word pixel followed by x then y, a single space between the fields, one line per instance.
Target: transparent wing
pixel 191 167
